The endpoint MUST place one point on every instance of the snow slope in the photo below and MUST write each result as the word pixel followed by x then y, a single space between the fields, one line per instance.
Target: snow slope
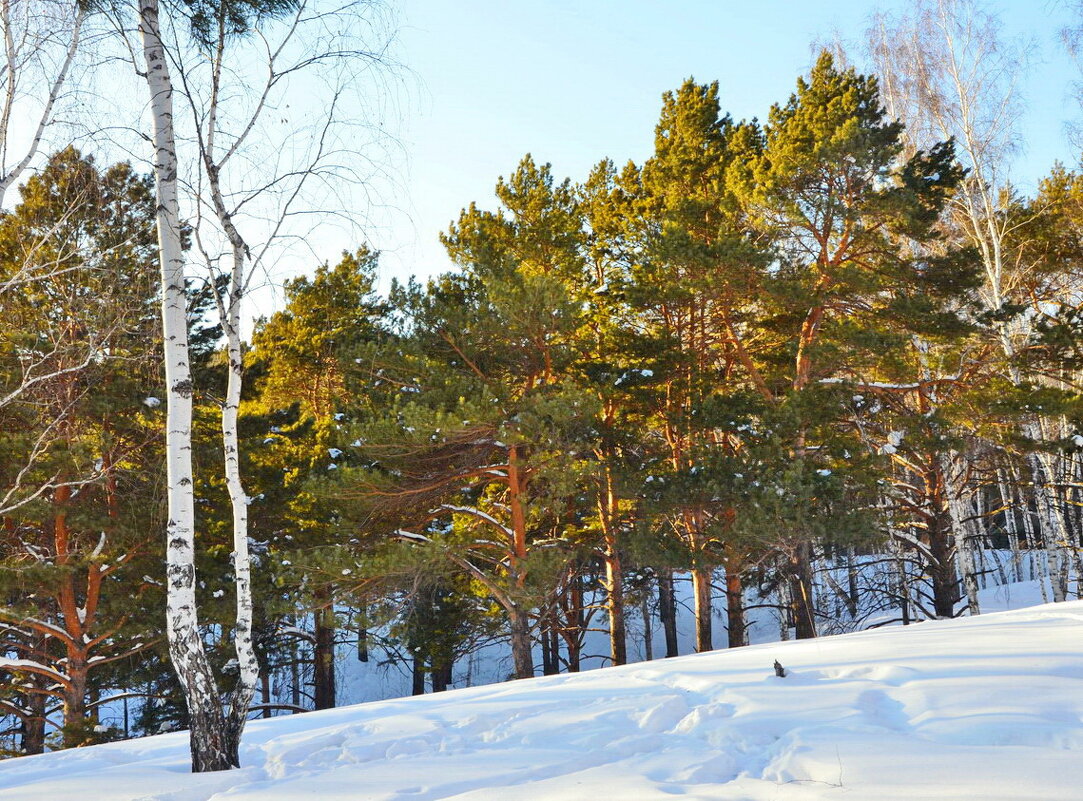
pixel 988 707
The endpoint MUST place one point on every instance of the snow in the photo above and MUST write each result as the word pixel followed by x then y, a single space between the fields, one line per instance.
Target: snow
pixel 152 402
pixel 894 440
pixel 988 707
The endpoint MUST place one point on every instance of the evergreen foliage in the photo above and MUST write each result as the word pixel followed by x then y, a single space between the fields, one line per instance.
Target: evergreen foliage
pixel 761 360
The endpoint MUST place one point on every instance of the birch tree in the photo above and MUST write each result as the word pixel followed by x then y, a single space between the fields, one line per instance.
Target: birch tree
pixel 230 99
pixel 41 39
pixel 245 196
pixel 947 72
pixel 77 436
pixel 210 745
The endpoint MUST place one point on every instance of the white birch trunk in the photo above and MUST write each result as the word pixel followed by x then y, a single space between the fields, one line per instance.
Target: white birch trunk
pixel 964 541
pixel 1050 521
pixel 1028 533
pixel 248 675
pixel 185 644
pixel 1007 501
pixel 230 314
pixel 783 610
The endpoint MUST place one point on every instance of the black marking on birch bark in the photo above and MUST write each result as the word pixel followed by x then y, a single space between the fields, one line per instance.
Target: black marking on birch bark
pixel 183 388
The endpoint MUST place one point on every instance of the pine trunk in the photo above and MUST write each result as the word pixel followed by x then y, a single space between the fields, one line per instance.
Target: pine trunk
pixel 648 645
pixel 34 726
pixel 75 702
pixel 803 604
pixel 549 648
pixel 945 582
pixel 418 673
pixel 614 580
pixel 323 654
pixel 701 589
pixel 614 577
pixel 521 654
pixel 442 673
pixel 667 611
pixel 735 608
pixel 574 638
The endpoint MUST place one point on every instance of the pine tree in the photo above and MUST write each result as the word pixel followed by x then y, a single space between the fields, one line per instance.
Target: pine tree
pixel 72 600
pixel 303 360
pixel 833 193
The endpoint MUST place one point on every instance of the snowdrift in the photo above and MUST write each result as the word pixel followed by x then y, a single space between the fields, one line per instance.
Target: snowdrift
pixel 984 708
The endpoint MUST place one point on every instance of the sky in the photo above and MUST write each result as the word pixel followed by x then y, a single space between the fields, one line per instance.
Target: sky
pixel 484 82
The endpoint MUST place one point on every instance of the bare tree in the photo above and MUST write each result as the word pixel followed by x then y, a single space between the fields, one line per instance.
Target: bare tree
pixel 252 181
pixel 1072 38
pixel 947 72
pixel 41 39
pixel 210 749
pixel 245 199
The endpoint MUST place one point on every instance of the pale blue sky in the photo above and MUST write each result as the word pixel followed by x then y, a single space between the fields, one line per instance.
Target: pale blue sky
pixel 573 82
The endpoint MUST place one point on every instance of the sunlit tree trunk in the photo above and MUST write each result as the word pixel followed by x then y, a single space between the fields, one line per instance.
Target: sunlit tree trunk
pixel 208 735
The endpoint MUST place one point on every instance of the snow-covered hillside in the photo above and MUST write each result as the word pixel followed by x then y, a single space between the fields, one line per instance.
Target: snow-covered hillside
pixel 984 708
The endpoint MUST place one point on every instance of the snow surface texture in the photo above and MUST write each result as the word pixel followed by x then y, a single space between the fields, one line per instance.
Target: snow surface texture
pixel 984 708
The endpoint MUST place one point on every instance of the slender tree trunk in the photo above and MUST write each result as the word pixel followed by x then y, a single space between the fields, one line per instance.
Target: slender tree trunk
pixel 34 726
pixel 1051 526
pixel 785 607
pixel 614 581
pixel 1030 538
pixel 418 673
pixel 902 581
pixel 852 582
pixel 614 578
pixel 248 666
pixel 549 648
pixel 265 692
pixel 701 590
pixel 208 735
pixel 362 643
pixel 324 653
pixel 803 603
pixel 1007 502
pixel 667 610
pixel 648 634
pixel 735 607
pixel 521 654
pixel 295 672
pixel 230 314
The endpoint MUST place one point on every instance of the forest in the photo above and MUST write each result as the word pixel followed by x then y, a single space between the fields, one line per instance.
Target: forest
pixel 821 367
